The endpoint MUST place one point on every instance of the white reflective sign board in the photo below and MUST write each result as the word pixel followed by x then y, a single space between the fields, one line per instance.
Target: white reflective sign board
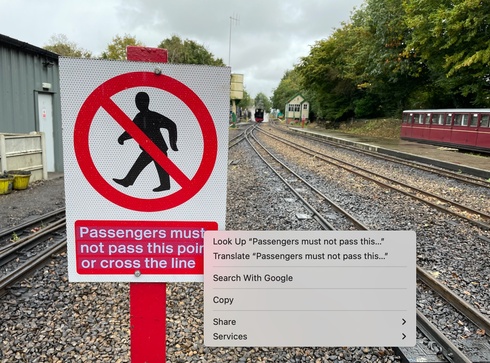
pixel 145 149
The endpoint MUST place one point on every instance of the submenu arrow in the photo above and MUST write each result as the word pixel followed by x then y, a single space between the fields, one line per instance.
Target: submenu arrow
pixel 404 321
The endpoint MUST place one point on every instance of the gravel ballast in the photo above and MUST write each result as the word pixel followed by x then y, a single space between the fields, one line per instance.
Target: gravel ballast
pixel 48 319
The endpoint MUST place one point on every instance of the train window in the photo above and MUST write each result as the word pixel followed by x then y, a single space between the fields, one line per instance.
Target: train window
pixel 405 118
pixel 461 120
pixel 474 120
pixel 420 118
pixel 449 118
pixel 438 119
pixel 457 120
pixel 485 120
pixel 408 118
pixel 427 119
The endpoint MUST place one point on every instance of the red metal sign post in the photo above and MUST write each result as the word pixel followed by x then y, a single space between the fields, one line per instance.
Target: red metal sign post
pixel 148 301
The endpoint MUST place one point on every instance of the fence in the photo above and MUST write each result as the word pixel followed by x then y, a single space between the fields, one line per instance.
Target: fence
pixel 24 152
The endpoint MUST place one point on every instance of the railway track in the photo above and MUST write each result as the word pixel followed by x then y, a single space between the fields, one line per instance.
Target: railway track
pixel 340 212
pixel 443 345
pixel 477 217
pixel 28 246
pixel 466 178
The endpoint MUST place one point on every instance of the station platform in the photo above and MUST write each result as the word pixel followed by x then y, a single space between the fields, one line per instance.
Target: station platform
pixel 442 157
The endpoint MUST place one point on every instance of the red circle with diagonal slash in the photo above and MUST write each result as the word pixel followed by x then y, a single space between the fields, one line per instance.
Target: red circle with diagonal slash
pixel 101 97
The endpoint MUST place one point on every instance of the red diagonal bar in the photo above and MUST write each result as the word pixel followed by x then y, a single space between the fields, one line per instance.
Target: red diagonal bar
pixel 149 146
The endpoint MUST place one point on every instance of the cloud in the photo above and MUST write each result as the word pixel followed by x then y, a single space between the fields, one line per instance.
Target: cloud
pixel 268 38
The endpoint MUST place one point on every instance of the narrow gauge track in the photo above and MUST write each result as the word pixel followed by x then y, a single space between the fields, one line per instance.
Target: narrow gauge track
pixel 239 138
pixel 11 233
pixel 8 235
pixel 476 217
pixel 447 348
pixel 318 216
pixel 23 255
pixel 469 179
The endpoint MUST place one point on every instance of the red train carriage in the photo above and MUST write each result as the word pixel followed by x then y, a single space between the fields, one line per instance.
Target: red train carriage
pixel 467 129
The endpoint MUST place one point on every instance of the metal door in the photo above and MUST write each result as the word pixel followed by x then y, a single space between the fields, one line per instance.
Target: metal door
pixel 45 117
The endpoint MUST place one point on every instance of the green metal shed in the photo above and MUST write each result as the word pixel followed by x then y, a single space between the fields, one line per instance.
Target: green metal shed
pixel 30 95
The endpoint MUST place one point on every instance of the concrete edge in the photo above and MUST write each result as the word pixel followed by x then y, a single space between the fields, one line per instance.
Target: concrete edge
pixel 402 155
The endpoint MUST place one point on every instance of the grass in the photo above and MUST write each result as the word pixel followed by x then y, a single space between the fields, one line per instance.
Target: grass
pixel 388 128
pixel 383 127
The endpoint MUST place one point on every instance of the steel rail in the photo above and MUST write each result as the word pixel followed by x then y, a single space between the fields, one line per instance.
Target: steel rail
pixel 458 303
pixel 30 265
pixel 318 217
pixel 469 179
pixel 351 168
pixel 449 350
pixel 316 190
pixel 8 231
pixel 239 138
pixel 13 247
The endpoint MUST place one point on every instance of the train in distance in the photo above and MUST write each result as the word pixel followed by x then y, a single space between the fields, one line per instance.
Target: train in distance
pixel 259 115
pixel 466 129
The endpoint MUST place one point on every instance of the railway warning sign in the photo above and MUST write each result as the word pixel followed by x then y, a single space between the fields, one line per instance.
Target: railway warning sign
pixel 145 157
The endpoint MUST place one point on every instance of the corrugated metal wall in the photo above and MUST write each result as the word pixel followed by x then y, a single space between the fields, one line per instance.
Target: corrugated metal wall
pixel 22 74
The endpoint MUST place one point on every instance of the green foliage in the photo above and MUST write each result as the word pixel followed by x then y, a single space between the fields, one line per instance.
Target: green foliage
pixel 380 127
pixel 452 38
pixel 117 49
pixel 188 52
pixel 367 106
pixel 262 101
pixel 397 54
pixel 324 74
pixel 289 86
pixel 59 44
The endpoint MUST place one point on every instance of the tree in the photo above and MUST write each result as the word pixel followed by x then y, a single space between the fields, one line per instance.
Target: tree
pixel 395 74
pixel 188 52
pixel 246 101
pixel 117 49
pixel 59 44
pixel 262 101
pixel 289 86
pixel 362 69
pixel 323 74
pixel 451 37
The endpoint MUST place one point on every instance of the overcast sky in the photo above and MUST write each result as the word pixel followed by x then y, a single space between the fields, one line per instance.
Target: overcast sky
pixel 268 39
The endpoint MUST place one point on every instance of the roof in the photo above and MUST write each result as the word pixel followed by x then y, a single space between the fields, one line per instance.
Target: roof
pixel 296 95
pixel 454 110
pixel 26 47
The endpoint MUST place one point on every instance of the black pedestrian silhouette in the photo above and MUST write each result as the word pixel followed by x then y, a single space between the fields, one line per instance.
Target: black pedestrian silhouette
pixel 150 123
